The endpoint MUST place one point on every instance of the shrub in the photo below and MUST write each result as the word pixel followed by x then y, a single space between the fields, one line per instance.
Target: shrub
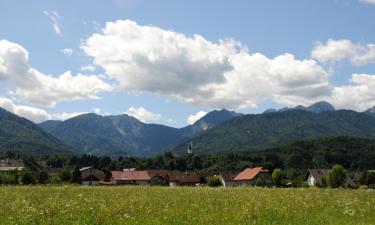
pixel 26 177
pixel 336 177
pixel 8 178
pixel 214 181
pixel 277 177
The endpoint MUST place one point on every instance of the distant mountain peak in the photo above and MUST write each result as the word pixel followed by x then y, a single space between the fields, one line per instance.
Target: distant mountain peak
pixel 217 116
pixel 322 106
pixel 317 107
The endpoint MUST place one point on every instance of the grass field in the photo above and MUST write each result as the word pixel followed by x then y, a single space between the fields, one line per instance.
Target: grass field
pixel 157 205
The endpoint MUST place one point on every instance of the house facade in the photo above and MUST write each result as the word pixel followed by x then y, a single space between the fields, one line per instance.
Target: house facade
pixel 11 165
pixel 227 179
pixel 250 176
pixel 314 177
pixel 183 179
pixel 143 177
pixel 91 176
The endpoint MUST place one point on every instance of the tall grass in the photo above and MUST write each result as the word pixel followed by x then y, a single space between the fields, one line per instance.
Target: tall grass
pixel 158 205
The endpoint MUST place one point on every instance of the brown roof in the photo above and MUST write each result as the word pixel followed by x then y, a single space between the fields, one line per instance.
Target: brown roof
pixel 131 175
pixel 88 173
pixel 183 177
pixel 228 176
pixel 250 173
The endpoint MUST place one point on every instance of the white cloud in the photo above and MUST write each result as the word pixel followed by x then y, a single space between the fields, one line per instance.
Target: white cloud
pixel 359 94
pixel 337 50
pixel 67 115
pixel 34 114
pixel 368 1
pixel 36 87
pixel 89 68
pixel 195 117
pixel 54 18
pixel 218 75
pixel 67 51
pixel 143 114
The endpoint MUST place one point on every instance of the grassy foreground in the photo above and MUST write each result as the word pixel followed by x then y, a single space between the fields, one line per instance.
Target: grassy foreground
pixel 157 205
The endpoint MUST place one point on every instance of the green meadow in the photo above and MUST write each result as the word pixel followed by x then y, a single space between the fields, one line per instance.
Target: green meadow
pixel 196 205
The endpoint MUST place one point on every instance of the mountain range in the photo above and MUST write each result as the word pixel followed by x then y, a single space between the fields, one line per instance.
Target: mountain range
pixel 23 136
pixel 125 135
pixel 217 131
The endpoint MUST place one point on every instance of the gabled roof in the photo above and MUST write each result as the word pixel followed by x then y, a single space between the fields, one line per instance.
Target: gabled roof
pixel 183 177
pixel 250 173
pixel 131 175
pixel 317 174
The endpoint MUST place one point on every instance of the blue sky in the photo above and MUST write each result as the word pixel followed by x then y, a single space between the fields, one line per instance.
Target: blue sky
pixel 271 54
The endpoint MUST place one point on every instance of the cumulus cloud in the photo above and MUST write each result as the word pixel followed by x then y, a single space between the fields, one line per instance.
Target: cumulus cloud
pixel 36 87
pixel 195 117
pixel 67 51
pixel 143 114
pixel 54 18
pixel 337 50
pixel 219 74
pixel 31 113
pixel 359 94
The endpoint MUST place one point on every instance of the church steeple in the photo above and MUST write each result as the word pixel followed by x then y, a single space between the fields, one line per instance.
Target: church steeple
pixel 190 148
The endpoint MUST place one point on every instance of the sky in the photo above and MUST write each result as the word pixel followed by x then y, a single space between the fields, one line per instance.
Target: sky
pixel 170 62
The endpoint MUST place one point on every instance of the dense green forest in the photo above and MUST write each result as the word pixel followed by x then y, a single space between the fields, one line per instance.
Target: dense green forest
pixel 267 130
pixel 21 135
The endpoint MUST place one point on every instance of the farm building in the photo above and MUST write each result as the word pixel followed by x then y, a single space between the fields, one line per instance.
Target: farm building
pixel 144 177
pixel 9 165
pixel 91 176
pixel 314 177
pixel 183 178
pixel 250 176
pixel 227 179
pixel 203 176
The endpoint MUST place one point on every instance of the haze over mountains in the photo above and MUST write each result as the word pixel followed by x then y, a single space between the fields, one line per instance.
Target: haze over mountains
pixel 217 131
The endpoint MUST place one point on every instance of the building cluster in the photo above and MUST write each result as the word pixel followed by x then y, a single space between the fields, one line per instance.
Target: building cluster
pixel 92 176
pixel 250 176
pixel 9 165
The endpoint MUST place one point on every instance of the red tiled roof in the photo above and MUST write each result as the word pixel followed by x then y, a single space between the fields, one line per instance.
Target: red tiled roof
pixel 249 173
pixel 130 175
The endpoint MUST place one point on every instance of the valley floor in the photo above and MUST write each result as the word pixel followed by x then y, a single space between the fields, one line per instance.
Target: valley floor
pixel 162 205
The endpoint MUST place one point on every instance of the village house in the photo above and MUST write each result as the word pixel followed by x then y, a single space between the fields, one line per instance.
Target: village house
pixel 314 177
pixel 11 165
pixel 143 177
pixel 154 177
pixel 91 176
pixel 227 179
pixel 250 176
pixel 204 175
pixel 183 179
